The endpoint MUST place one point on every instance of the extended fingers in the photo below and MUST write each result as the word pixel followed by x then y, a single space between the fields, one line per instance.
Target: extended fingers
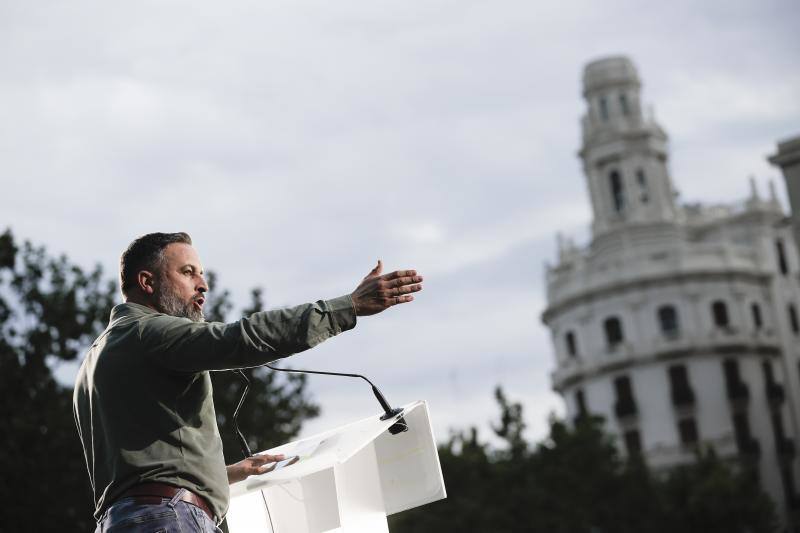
pixel 390 290
pixel 399 274
pixel 263 469
pixel 263 463
pixel 262 458
pixel 402 280
pixel 405 289
pixel 400 300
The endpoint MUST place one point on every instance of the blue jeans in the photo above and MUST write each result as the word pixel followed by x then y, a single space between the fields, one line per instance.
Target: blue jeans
pixel 169 516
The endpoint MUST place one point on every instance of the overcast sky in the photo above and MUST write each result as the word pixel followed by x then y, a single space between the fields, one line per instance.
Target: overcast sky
pixel 300 141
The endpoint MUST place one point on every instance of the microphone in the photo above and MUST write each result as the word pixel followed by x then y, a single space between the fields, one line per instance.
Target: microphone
pixel 388 412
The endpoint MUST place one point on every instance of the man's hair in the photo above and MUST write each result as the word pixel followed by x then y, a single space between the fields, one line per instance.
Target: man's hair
pixel 146 253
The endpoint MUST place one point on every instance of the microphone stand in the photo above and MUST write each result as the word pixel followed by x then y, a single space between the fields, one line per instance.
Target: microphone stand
pixel 388 412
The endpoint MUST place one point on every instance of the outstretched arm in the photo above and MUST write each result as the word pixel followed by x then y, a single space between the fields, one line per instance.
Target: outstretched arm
pixel 378 292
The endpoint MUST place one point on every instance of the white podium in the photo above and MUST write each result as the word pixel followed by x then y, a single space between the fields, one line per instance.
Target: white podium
pixel 347 480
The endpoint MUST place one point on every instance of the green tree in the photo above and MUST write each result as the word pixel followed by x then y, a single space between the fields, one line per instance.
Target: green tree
pixel 50 310
pixel 710 496
pixel 575 481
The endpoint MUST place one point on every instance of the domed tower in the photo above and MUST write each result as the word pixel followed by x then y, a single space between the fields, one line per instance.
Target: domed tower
pixel 678 324
pixel 624 152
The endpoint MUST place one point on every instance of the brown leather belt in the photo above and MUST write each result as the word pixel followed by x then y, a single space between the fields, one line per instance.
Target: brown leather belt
pixel 162 490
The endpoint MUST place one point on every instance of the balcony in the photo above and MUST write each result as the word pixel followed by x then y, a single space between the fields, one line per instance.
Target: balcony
pixel 785 448
pixel 738 391
pixel 775 394
pixel 749 448
pixel 625 407
pixel 683 397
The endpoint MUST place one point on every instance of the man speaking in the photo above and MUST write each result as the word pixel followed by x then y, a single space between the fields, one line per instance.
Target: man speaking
pixel 143 403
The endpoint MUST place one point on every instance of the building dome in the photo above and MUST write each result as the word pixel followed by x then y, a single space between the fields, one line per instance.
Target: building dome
pixel 608 72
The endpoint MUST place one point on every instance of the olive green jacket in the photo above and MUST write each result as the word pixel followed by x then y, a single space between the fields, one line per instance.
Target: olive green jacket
pixel 143 402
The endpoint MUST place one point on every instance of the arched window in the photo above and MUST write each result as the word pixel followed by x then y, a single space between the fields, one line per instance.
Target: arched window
pixel 623 104
pixel 580 403
pixel 603 109
pixel 668 320
pixel 617 190
pixel 613 328
pixel 783 266
pixel 625 405
pixel 571 343
pixel 719 311
pixel 687 429
pixel 755 310
pixel 642 180
pixel 682 393
pixel 793 323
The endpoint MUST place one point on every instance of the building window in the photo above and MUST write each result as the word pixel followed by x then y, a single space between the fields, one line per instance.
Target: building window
pixel 613 329
pixel 737 389
pixel 625 405
pixel 668 319
pixel 603 109
pixel 633 442
pixel 682 393
pixel 571 343
pixel 798 366
pixel 783 266
pixel 617 190
pixel 755 310
pixel 580 404
pixel 720 313
pixel 623 104
pixel 642 181
pixel 789 494
pixel 687 428
pixel 746 444
pixel 772 389
pixel 784 446
pixel 793 323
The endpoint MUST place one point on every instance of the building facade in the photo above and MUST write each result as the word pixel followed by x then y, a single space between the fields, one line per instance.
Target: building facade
pixel 679 324
pixel 787 158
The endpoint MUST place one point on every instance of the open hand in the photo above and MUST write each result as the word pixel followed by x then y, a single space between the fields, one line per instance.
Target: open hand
pixel 256 464
pixel 377 292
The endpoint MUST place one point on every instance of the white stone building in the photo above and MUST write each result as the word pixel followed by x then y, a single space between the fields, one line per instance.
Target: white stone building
pixel 788 159
pixel 677 323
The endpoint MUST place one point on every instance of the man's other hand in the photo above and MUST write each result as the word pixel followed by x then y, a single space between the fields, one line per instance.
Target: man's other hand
pixel 378 292
pixel 257 464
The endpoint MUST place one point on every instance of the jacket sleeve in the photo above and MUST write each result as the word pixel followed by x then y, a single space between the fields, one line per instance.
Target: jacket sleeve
pixel 183 345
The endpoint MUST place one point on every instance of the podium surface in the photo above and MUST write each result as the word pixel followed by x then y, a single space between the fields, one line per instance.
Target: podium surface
pixel 346 480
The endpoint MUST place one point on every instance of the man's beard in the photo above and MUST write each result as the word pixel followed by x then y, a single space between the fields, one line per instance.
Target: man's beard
pixel 170 303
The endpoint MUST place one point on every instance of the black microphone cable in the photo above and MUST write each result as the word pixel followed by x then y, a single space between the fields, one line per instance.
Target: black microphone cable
pixel 242 441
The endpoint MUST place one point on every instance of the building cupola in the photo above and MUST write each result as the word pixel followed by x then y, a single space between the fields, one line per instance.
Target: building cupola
pixel 624 151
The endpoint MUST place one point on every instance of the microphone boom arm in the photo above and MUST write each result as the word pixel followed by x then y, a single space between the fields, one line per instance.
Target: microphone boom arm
pixel 388 411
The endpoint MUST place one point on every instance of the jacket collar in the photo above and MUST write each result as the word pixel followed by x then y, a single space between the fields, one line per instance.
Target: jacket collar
pixel 130 309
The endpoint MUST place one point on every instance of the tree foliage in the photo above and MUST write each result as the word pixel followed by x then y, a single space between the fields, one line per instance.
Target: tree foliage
pixel 575 481
pixel 50 309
